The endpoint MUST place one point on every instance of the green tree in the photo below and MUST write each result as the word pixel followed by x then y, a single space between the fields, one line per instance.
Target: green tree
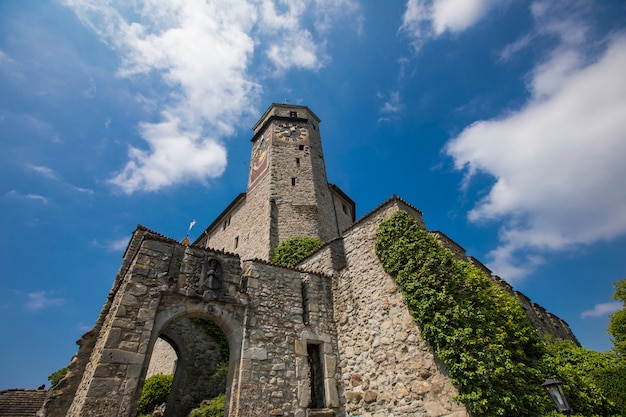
pixel 156 389
pixel 289 252
pixel 594 382
pixel 617 324
pixel 56 376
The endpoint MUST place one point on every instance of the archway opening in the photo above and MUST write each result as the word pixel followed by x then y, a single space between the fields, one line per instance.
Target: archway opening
pixel 199 364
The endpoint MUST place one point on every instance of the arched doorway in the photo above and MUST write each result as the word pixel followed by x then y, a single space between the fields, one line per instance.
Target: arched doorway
pixel 202 352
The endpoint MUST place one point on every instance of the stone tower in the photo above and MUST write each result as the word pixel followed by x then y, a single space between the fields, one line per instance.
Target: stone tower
pixel 288 194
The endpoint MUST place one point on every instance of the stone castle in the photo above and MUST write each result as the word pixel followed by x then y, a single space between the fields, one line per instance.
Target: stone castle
pixel 329 337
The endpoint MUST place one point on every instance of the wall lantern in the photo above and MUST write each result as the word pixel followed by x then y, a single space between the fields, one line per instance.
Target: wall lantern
pixel 556 395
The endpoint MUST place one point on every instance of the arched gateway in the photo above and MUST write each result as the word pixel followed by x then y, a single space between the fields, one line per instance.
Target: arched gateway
pixel 331 337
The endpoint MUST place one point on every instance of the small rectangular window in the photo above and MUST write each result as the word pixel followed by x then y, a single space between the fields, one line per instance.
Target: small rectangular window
pixel 301 147
pixel 298 162
pixel 236 241
pixel 345 209
pixel 293 114
pixel 293 181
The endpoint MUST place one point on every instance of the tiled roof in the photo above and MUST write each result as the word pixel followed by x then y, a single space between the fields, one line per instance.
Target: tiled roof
pixel 21 402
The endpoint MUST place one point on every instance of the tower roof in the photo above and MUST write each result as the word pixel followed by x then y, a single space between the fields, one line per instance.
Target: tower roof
pixel 276 108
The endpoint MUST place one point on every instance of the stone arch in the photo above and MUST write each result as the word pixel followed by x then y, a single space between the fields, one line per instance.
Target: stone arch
pixel 196 353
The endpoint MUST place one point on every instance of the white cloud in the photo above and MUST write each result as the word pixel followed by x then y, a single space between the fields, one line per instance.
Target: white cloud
pixel 116 245
pixel 202 50
pixel 603 309
pixel 391 106
pixel 119 244
pixel 428 19
pixel 558 161
pixel 42 299
pixel 563 21
pixel 43 170
pixel 36 197
pixel 83 190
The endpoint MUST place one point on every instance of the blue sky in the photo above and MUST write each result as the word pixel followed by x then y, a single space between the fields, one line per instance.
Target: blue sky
pixel 503 121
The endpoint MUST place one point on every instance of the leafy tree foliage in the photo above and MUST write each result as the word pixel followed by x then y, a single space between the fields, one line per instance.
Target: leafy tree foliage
pixel 56 376
pixel 617 325
pixel 477 329
pixel 156 389
pixel 594 382
pixel 211 408
pixel 289 252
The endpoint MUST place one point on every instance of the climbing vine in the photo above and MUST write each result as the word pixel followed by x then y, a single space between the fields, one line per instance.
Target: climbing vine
pixel 477 329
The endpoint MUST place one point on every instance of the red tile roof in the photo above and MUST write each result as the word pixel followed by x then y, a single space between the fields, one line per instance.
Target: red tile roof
pixel 21 402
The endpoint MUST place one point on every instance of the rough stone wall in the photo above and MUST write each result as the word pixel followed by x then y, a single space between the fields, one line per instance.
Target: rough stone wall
pixel 342 211
pixel 245 229
pixel 387 368
pixel 546 323
pixel 449 244
pixel 163 359
pixel 274 356
pixel 306 207
pixel 110 381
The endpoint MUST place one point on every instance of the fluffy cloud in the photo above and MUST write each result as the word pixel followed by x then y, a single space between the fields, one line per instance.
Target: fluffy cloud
pixel 426 19
pixel 603 309
pixel 558 161
pixel 202 50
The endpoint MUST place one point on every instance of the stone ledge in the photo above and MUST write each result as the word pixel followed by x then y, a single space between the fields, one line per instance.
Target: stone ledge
pixel 323 412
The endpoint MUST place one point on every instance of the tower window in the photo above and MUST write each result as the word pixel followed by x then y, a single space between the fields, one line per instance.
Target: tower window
pixel 298 162
pixel 345 209
pixel 293 180
pixel 293 114
pixel 236 241
pixel 301 147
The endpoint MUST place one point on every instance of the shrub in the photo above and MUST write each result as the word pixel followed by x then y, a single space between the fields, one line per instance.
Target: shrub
pixel 210 408
pixel 156 389
pixel 56 376
pixel 289 252
pixel 593 382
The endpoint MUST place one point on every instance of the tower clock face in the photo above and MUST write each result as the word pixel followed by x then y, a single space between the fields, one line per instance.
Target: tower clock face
pixel 291 132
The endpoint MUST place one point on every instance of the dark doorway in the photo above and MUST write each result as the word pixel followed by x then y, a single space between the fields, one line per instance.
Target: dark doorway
pixel 316 376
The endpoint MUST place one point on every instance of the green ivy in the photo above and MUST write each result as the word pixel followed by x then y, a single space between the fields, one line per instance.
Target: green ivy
pixel 289 252
pixel 477 329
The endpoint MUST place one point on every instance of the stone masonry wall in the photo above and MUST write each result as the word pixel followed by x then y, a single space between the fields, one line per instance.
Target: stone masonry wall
pixel 274 355
pixel 163 359
pixel 245 229
pixel 387 368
